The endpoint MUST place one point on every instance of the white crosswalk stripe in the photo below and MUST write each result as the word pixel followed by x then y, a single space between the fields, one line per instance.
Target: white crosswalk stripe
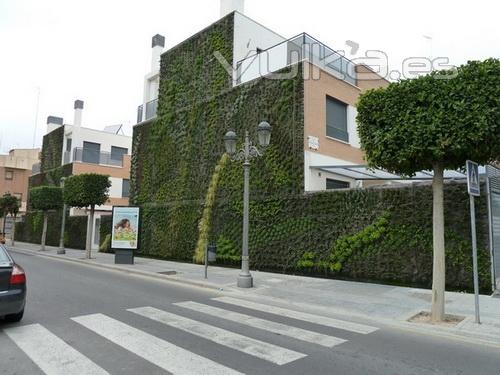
pixel 256 348
pixel 281 329
pixel 50 353
pixel 316 319
pixel 155 350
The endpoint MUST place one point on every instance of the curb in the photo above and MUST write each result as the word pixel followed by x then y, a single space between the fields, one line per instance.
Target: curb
pixel 205 285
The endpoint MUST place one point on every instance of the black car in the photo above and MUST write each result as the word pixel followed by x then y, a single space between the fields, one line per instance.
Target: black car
pixel 12 288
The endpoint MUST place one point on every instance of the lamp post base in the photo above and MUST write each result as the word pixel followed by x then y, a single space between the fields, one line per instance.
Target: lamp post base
pixel 245 281
pixel 61 251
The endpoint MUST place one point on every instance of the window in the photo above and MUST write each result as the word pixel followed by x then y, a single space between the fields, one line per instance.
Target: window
pixel 336 184
pixel 118 152
pixel 336 119
pixel 91 152
pixel 126 189
pixel 68 144
pixel 9 175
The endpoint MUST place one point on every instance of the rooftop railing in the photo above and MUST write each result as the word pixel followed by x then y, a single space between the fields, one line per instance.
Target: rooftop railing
pixel 302 47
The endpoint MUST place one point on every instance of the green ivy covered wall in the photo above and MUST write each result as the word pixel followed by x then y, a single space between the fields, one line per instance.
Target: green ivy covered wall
pixel 191 195
pixel 52 149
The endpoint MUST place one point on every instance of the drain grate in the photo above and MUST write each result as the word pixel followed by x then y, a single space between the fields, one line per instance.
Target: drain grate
pixel 168 273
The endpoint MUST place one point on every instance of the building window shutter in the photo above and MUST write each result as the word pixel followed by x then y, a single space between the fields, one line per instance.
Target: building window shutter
pixel 336 119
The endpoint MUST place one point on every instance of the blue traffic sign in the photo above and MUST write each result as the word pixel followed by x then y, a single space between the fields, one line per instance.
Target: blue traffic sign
pixel 473 186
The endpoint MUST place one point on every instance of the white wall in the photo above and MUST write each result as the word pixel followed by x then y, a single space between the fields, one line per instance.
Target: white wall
pixel 315 180
pixel 250 35
pixel 115 191
pixel 352 126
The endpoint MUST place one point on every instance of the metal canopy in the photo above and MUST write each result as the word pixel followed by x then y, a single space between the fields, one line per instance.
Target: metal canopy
pixel 363 173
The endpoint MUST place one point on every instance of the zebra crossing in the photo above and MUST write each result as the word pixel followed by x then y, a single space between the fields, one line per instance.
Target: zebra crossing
pixel 54 356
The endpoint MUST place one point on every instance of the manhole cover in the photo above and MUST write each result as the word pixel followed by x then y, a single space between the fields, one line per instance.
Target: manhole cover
pixel 168 273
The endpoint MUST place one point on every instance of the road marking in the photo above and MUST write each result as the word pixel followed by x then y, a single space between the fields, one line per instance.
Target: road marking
pixel 256 348
pixel 153 349
pixel 316 319
pixel 50 353
pixel 267 325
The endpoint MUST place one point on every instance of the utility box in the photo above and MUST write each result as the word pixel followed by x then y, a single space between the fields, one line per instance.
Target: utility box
pixel 212 253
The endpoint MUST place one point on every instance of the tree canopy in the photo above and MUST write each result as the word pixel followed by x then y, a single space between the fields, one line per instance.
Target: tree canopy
pixel 9 204
pixel 89 189
pixel 445 117
pixel 45 198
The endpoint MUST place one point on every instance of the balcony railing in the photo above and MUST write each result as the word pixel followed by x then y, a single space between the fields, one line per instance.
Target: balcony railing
pixel 95 157
pixel 149 112
pixel 303 47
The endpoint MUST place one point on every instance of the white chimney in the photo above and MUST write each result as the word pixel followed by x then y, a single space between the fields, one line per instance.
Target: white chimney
pixel 77 124
pixel 229 6
pixel 53 123
pixel 158 42
pixel 77 121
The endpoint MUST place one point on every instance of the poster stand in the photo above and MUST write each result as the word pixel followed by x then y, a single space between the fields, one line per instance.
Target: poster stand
pixel 125 233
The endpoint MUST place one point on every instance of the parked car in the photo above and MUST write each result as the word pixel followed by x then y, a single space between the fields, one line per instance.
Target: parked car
pixel 12 288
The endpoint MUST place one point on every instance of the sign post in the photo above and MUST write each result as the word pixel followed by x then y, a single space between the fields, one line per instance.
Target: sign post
pixel 125 233
pixel 474 190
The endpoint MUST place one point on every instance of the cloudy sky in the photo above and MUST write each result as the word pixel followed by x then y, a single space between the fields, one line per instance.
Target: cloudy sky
pixel 99 50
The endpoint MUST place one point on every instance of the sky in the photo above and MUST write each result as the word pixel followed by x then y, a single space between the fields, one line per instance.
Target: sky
pixel 56 51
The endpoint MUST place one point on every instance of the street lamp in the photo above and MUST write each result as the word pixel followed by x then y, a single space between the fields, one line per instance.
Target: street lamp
pixel 248 152
pixel 61 249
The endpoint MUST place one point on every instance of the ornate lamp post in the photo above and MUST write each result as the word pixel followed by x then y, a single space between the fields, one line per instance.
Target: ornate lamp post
pixel 61 249
pixel 248 152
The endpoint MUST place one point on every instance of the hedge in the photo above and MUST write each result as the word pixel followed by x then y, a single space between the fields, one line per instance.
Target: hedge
pixel 105 234
pixel 30 229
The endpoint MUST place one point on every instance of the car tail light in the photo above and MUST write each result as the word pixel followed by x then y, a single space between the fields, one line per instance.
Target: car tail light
pixel 18 276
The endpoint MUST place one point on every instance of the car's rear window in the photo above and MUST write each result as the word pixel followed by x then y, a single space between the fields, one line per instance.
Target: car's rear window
pixel 4 258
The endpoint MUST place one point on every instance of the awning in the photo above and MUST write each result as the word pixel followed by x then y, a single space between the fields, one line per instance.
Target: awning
pixel 363 173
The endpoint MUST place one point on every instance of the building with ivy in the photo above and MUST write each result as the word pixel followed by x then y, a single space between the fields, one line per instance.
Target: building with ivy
pixel 234 74
pixel 72 149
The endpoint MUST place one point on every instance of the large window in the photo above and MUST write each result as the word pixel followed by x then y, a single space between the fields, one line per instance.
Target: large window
pixel 336 184
pixel 336 119
pixel 126 189
pixel 91 152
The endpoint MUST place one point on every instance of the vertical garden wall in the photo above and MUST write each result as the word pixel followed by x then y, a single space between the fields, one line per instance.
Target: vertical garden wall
pixel 52 149
pixel 191 194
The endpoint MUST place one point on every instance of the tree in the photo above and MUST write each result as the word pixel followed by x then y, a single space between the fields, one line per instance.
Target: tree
pixel 45 199
pixel 87 190
pixel 434 122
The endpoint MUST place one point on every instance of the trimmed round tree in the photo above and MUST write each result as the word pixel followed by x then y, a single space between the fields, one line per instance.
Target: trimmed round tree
pixel 87 190
pixel 434 122
pixel 45 199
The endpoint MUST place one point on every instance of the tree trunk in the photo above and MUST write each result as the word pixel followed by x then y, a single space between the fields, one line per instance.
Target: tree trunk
pixel 13 234
pixel 90 227
pixel 3 225
pixel 44 231
pixel 439 269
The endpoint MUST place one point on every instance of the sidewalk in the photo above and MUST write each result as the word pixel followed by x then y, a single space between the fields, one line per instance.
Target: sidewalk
pixel 385 304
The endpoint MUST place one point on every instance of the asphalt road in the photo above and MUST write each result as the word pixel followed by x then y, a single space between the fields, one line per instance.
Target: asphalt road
pixel 77 321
